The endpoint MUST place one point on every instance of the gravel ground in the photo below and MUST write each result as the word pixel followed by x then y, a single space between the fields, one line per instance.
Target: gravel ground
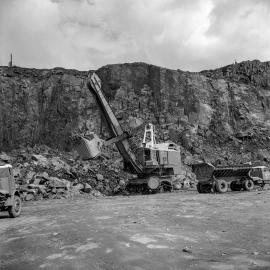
pixel 183 230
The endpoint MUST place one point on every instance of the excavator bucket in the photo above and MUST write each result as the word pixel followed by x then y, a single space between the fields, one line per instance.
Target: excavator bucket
pixel 88 149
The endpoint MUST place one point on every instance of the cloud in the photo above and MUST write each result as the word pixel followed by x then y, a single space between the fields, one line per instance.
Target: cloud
pixel 86 34
pixel 240 28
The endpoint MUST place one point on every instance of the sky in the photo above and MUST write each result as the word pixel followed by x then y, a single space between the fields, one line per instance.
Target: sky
pixel 189 35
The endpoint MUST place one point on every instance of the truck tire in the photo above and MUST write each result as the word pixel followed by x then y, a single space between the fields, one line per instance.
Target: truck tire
pixel 248 185
pixel 221 186
pixel 199 187
pixel 165 186
pixel 235 186
pixel 16 208
pixel 203 188
pixel 206 188
pixel 153 183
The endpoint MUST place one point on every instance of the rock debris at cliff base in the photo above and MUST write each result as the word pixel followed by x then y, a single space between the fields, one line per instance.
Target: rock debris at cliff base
pixel 44 173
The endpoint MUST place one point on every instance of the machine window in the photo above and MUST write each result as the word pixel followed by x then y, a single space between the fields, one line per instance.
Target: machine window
pixel 147 154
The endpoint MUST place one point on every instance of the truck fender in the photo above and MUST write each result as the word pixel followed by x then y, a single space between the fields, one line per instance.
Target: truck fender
pixel 17 193
pixel 9 201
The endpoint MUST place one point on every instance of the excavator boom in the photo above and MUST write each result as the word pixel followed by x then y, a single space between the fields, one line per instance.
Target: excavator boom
pixel 115 129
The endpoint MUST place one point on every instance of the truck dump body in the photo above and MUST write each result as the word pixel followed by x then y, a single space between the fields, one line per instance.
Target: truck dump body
pixel 232 171
pixel 205 171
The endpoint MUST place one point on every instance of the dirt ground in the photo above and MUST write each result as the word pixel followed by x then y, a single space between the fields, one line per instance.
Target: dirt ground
pixel 184 230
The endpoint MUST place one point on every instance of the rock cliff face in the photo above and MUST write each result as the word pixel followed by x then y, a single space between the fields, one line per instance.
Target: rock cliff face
pixel 216 115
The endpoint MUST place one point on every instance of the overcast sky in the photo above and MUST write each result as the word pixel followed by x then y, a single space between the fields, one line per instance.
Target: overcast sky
pixel 178 34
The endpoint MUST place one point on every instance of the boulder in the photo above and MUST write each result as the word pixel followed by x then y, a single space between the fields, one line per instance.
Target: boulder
pixel 29 176
pixel 100 186
pixel 32 191
pixel 186 184
pixel 53 191
pixel 40 188
pixel 122 183
pixel 41 160
pixel 36 181
pixel 41 178
pixel 264 155
pixel 177 186
pixel 78 187
pixel 61 190
pixel 59 183
pixel 59 164
pixel 96 193
pixel 29 197
pixel 87 168
pixel 87 188
pixel 5 157
pixel 135 122
pixel 99 177
pixel 188 160
pixel 116 189
pixel 16 172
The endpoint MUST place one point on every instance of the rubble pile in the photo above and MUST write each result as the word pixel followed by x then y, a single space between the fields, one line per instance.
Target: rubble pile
pixel 43 173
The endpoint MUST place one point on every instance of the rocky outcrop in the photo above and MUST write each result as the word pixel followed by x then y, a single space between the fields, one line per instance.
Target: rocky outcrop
pixel 217 115
pixel 43 106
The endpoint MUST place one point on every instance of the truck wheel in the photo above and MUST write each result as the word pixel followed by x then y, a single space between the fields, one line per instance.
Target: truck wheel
pixel 153 183
pixel 203 188
pixel 248 185
pixel 165 186
pixel 235 186
pixel 199 187
pixel 16 208
pixel 214 188
pixel 206 188
pixel 221 186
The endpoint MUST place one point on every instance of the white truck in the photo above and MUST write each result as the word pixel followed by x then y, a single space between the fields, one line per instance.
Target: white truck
pixel 9 197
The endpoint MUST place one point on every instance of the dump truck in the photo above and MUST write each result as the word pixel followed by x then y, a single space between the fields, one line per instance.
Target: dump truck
pixel 155 164
pixel 238 177
pixel 9 197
